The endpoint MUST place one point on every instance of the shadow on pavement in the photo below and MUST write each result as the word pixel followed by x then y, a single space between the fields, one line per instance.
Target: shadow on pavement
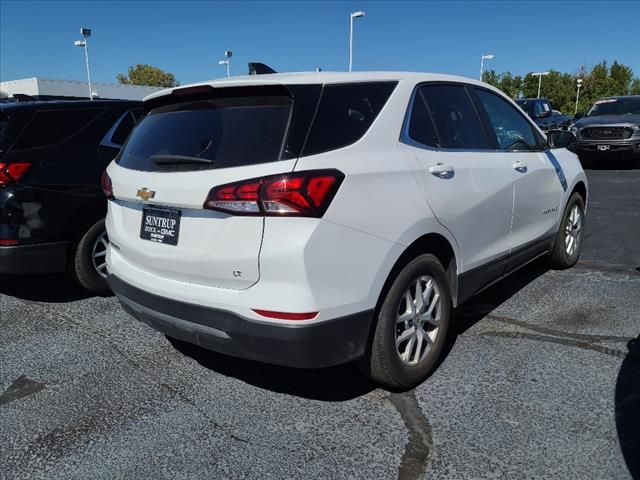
pixel 627 408
pixel 485 302
pixel 333 384
pixel 345 382
pixel 50 288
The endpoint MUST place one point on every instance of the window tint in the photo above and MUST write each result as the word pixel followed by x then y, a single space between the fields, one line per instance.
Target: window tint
pixel 455 119
pixel 50 127
pixel 421 127
pixel 512 129
pixel 345 114
pixel 526 105
pixel 138 113
pixel 207 134
pixel 4 130
pixel 615 106
pixel 538 108
pixel 123 129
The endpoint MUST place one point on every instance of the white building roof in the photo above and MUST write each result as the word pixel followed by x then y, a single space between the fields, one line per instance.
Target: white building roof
pixel 74 88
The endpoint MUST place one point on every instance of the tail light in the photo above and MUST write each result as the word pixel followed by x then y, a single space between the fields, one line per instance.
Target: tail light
pixel 303 194
pixel 286 315
pixel 12 172
pixel 107 186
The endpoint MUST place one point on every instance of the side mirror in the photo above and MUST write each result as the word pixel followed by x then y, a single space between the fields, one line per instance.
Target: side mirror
pixel 578 116
pixel 544 114
pixel 559 138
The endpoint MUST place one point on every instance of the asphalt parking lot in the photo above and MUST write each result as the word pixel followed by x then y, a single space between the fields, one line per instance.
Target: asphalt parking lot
pixel 537 383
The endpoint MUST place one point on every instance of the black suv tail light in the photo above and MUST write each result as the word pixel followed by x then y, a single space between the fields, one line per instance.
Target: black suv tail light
pixel 12 172
pixel 107 187
pixel 300 194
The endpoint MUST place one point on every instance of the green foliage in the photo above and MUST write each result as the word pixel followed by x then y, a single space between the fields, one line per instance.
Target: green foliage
pixel 490 77
pixel 561 88
pixel 147 75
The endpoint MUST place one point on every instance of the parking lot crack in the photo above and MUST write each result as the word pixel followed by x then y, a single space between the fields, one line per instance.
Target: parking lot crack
pixel 559 340
pixel 581 337
pixel 604 268
pixel 419 447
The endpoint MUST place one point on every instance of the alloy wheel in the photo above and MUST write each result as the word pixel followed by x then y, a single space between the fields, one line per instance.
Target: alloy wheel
pixel 418 320
pixel 99 254
pixel 573 228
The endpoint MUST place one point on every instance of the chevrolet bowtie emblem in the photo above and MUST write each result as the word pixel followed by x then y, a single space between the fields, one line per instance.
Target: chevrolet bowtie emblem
pixel 145 193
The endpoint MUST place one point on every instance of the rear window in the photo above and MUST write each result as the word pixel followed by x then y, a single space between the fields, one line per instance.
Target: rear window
pixel 345 114
pixel 51 127
pixel 240 126
pixel 208 134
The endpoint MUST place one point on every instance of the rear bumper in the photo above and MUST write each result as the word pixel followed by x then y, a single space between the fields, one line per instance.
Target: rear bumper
pixel 30 259
pixel 314 345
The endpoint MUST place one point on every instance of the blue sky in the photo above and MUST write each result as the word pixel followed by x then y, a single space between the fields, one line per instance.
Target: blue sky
pixel 188 38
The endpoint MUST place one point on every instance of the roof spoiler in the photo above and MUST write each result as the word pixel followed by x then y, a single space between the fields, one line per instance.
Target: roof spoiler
pixel 257 68
pixel 208 92
pixel 23 97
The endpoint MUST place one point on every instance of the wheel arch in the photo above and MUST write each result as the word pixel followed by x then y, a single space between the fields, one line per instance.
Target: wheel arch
pixel 581 189
pixel 435 244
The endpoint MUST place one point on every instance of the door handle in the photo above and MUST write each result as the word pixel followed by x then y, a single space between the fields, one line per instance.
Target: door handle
pixel 520 166
pixel 441 171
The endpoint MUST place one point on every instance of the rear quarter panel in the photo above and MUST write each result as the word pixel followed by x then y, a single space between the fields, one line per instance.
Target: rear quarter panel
pixel 376 214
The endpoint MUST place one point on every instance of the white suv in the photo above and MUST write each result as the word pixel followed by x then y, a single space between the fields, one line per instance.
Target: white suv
pixel 313 219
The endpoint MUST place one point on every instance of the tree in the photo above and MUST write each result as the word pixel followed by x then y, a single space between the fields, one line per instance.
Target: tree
pixel 621 77
pixel 530 86
pixel 561 88
pixel 598 83
pixel 147 75
pixel 505 82
pixel 510 85
pixel 490 77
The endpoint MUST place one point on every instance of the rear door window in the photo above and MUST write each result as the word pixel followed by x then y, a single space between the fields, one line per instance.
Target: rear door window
pixel 345 113
pixel 123 129
pixel 51 127
pixel 211 133
pixel 421 128
pixel 454 117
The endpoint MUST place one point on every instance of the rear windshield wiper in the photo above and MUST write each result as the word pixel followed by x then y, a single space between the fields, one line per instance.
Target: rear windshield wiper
pixel 167 159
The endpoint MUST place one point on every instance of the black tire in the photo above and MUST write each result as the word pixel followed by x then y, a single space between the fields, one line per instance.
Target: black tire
pixel 561 258
pixel 81 262
pixel 383 363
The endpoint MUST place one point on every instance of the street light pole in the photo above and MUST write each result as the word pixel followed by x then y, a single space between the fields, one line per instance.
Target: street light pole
pixel 351 17
pixel 227 54
pixel 86 33
pixel 579 83
pixel 482 59
pixel 539 75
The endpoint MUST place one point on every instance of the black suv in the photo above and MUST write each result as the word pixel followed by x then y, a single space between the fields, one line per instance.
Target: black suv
pixel 542 112
pixel 611 126
pixel 52 209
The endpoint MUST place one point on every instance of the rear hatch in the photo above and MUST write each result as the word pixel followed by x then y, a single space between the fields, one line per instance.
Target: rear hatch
pixel 191 141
